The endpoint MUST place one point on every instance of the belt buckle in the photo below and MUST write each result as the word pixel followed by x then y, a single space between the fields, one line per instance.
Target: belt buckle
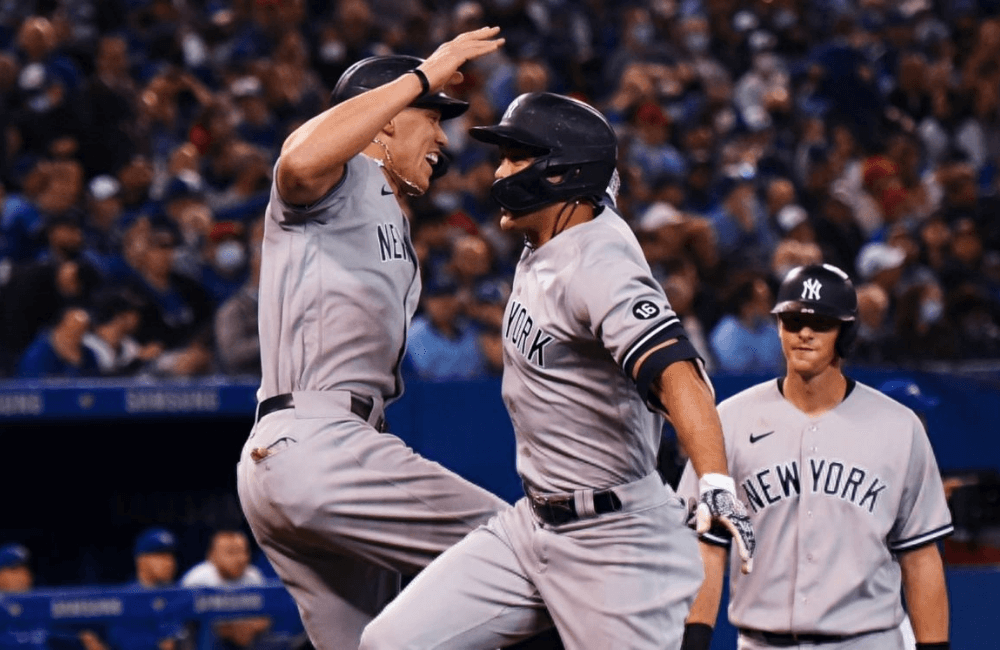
pixel 554 510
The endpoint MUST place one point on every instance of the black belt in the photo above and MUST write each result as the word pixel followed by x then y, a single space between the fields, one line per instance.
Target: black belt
pixel 791 639
pixel 562 509
pixel 360 406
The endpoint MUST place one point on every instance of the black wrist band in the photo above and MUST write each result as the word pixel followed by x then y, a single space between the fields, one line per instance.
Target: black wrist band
pixel 425 86
pixel 697 636
pixel 940 645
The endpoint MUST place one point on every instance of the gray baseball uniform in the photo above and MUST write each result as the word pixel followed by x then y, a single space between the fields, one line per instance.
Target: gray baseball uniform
pixel 583 308
pixel 338 507
pixel 832 499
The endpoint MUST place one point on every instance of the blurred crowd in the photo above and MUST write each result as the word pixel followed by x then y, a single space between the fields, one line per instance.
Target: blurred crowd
pixel 227 565
pixel 140 138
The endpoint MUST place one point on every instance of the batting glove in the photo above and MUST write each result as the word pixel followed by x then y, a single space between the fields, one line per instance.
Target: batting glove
pixel 717 502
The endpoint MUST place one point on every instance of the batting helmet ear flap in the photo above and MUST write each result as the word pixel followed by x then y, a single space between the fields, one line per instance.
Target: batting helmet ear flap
pixel 845 340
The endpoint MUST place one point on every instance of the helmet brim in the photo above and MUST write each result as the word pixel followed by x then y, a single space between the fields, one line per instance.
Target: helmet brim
pixel 803 307
pixel 505 135
pixel 449 107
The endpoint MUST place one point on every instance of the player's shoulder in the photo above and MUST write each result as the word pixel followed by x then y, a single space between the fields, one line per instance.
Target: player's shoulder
pixel 758 395
pixel 605 240
pixel 875 401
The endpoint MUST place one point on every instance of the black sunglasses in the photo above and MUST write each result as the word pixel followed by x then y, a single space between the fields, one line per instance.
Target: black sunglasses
pixel 795 322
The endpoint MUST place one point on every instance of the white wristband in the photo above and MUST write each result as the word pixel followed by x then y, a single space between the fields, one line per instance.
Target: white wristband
pixel 716 482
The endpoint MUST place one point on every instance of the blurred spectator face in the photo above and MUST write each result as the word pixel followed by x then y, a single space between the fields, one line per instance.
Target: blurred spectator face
pixel 873 307
pixel 184 158
pixel 156 569
pixel 761 300
pixel 159 255
pixel 531 76
pixel 894 200
pixel 638 29
pixel 467 16
pixel 931 308
pixel 741 202
pixel 65 239
pixel 112 56
pixel 652 124
pixel 959 183
pixel 292 49
pixel 8 72
pixel 105 202
pixel 192 215
pixel 935 234
pixel 790 253
pixel 355 20
pixel 442 309
pixel 471 257
pixel 16 579
pixel 36 38
pixel 230 553
pixel 680 293
pixel 695 35
pixel 157 102
pixel 699 141
pixel 912 71
pixel 836 211
pixel 68 279
pixel 226 250
pixel 74 324
pixel 136 178
pixel 64 187
pixel 780 192
pixel 966 244
pixel 900 237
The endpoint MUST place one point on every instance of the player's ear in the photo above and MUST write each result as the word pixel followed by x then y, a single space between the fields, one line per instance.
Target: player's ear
pixel 390 128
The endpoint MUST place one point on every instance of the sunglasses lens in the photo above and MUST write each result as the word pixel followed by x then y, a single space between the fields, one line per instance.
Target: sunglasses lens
pixel 795 323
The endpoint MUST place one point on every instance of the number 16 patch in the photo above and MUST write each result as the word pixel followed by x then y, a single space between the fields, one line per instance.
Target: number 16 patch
pixel 644 310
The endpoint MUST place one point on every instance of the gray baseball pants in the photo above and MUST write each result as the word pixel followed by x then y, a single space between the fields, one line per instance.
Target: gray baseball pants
pixel 341 510
pixel 620 580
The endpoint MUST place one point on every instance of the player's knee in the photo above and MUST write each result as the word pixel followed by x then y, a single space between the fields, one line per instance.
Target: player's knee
pixel 382 634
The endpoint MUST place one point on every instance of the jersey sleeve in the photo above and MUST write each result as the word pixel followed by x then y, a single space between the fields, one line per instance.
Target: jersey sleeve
pixel 288 213
pixel 615 294
pixel 923 515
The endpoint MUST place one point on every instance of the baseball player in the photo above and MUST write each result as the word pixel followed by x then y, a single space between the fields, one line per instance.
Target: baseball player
pixel 590 342
pixel 844 494
pixel 339 507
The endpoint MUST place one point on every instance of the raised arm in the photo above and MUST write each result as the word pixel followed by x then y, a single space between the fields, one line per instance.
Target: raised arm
pixel 313 156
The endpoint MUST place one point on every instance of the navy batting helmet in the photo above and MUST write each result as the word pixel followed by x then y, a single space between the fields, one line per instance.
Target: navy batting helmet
pixel 376 71
pixel 568 139
pixel 824 290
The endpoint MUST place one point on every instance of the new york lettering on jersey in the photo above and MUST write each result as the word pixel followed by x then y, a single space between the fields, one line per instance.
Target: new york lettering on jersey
pixel 765 486
pixel 519 329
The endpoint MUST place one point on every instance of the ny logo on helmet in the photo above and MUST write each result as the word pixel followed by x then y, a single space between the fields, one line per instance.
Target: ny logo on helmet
pixel 810 289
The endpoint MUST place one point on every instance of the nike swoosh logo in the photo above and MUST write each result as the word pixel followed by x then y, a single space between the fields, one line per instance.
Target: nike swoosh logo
pixel 754 438
pixel 386 191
